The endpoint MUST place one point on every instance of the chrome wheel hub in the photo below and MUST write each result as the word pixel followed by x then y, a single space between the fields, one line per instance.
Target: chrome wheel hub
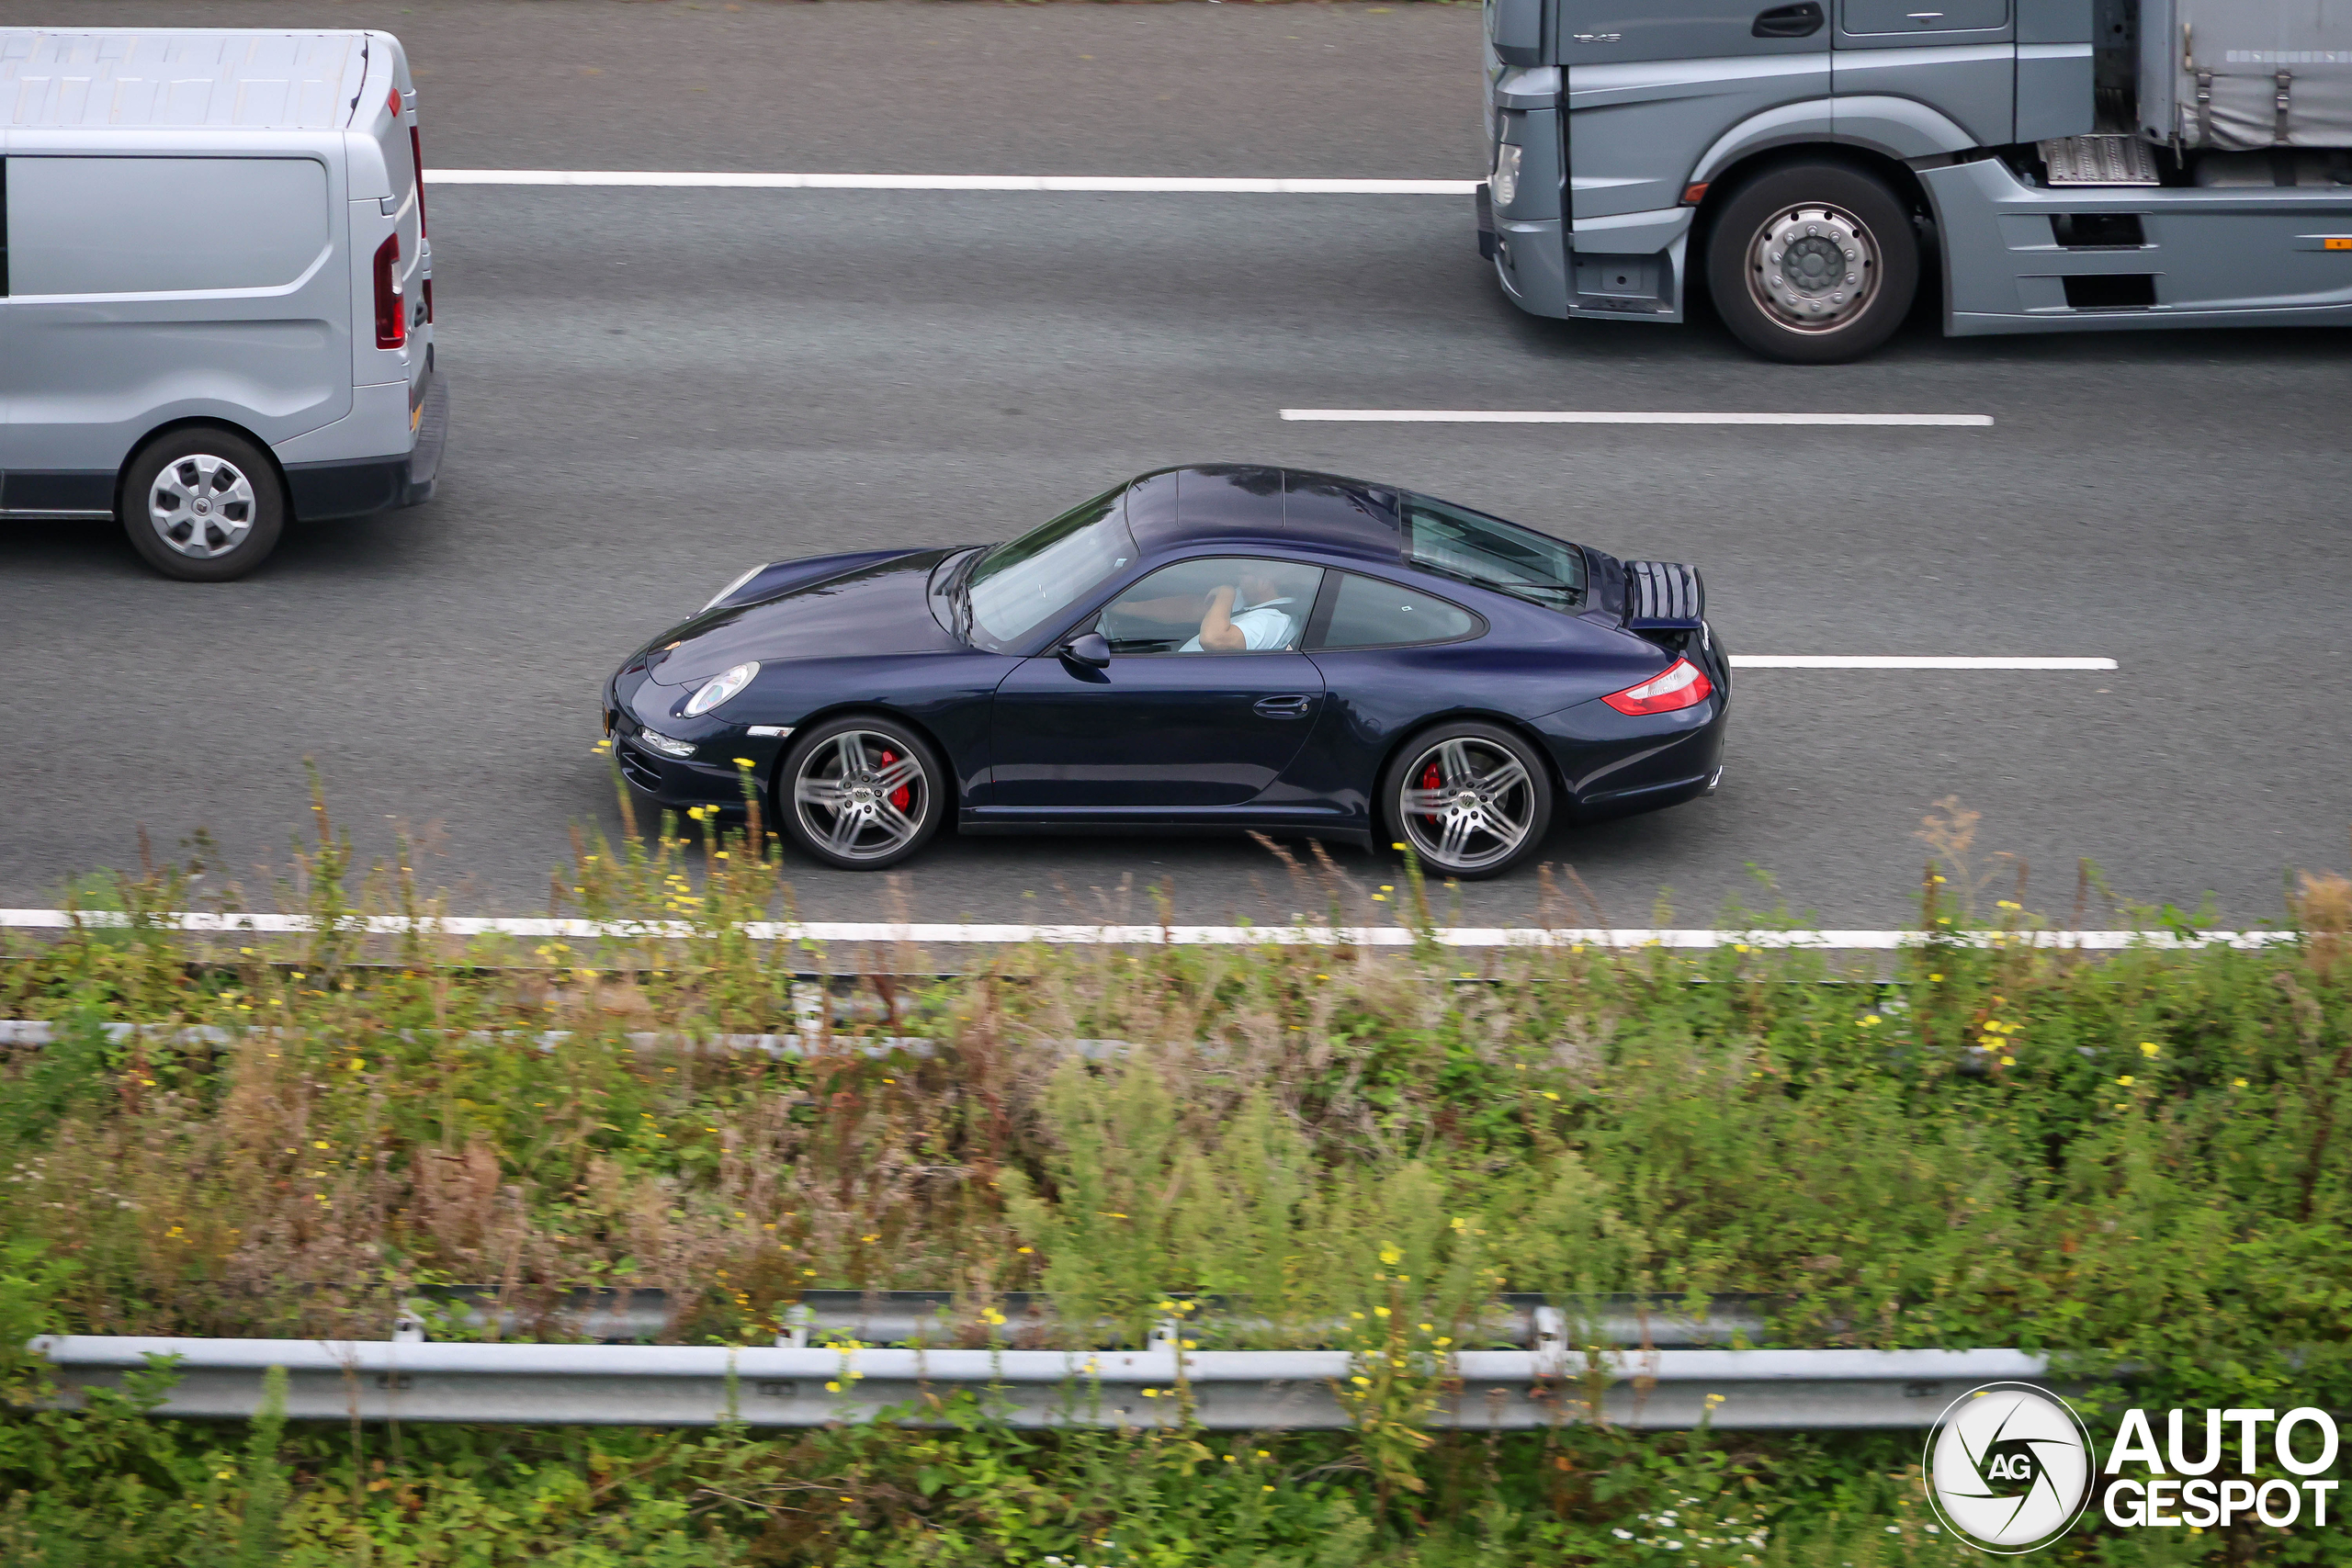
pixel 201 506
pixel 1813 268
pixel 1467 803
pixel 860 795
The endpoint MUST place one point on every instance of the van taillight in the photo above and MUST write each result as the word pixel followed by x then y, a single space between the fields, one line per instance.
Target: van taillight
pixel 391 320
pixel 416 156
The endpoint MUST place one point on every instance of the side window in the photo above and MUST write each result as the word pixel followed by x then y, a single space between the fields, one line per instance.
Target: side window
pixel 1520 561
pixel 163 225
pixel 1225 604
pixel 1368 612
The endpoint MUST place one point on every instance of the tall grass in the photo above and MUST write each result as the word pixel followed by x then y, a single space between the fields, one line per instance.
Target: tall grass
pixel 2140 1157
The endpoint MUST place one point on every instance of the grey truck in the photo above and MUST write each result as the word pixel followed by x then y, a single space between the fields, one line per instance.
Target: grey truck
pixel 2064 165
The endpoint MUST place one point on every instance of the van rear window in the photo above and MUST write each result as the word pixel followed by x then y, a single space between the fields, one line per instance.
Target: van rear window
pixel 163 225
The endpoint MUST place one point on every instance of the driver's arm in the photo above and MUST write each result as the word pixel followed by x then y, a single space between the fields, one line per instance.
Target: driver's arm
pixel 1174 610
pixel 1218 634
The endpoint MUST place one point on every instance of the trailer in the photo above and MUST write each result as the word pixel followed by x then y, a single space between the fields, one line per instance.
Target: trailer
pixel 2070 166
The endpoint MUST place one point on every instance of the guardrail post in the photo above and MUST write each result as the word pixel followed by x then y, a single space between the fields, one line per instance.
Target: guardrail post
pixel 408 1327
pixel 1548 1338
pixel 794 1335
pixel 1163 1336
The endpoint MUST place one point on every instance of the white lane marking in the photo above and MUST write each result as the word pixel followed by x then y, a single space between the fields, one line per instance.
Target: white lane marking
pixel 1155 936
pixel 1148 183
pixel 1605 417
pixel 1907 661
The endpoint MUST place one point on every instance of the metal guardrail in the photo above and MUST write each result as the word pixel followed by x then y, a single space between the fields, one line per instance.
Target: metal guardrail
pixel 673 1385
pixel 942 1320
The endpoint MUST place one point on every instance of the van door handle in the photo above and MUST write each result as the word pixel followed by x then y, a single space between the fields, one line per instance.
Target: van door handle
pixel 1283 708
pixel 1801 20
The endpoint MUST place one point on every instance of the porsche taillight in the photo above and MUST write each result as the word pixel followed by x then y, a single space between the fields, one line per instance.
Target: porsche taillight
pixel 391 317
pixel 1683 685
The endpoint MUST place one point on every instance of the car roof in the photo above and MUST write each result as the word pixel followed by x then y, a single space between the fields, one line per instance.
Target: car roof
pixel 1253 506
pixel 256 79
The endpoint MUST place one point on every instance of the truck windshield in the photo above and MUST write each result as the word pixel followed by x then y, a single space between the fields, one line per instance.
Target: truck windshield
pixel 1493 553
pixel 1023 583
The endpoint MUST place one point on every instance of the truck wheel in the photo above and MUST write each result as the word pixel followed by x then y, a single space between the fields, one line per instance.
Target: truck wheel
pixel 1812 263
pixel 202 505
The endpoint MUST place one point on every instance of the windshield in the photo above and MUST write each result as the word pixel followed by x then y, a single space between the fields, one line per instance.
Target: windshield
pixel 1493 553
pixel 1025 582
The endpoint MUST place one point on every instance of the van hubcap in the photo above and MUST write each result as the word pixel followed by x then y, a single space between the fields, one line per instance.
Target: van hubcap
pixel 201 506
pixel 1813 268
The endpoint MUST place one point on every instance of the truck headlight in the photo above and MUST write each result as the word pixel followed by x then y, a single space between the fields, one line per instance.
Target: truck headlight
pixel 1506 186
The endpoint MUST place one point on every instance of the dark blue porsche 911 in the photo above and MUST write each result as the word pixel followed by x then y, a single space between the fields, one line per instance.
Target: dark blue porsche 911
pixel 1209 647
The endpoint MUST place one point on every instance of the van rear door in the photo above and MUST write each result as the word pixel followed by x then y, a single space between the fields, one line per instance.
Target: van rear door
pixel 401 279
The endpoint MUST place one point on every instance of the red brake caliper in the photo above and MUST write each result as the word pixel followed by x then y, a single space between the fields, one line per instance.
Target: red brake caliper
pixel 1431 779
pixel 904 793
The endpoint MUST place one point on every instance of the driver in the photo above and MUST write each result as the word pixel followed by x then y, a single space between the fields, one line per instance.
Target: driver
pixel 1251 617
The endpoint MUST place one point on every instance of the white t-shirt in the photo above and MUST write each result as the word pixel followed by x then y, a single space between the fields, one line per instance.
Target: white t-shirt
pixel 1262 626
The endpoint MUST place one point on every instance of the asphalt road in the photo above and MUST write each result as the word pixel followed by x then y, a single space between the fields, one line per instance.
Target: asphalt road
pixel 654 388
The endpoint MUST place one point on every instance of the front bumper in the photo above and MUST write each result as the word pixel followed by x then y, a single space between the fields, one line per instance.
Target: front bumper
pixel 711 775
pixel 357 487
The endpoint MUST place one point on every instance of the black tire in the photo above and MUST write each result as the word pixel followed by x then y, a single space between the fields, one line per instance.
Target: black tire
pixel 1475 810
pixel 884 813
pixel 1814 316
pixel 202 505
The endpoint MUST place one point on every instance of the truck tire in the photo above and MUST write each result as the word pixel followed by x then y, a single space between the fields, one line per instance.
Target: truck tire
pixel 202 505
pixel 1813 263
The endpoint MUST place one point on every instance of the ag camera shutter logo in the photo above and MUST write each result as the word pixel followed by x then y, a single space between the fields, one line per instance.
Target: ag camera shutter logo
pixel 2009 1468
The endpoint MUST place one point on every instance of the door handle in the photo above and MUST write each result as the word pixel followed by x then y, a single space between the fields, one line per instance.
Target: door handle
pixel 1283 708
pixel 1801 20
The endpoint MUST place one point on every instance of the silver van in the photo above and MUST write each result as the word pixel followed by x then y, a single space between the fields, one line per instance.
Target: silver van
pixel 216 294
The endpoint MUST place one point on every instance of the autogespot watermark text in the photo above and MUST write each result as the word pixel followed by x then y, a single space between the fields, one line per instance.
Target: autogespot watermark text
pixel 2176 1491
pixel 2010 1468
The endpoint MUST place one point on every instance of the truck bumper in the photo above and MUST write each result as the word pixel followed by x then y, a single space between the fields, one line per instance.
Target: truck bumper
pixel 355 487
pixel 1531 264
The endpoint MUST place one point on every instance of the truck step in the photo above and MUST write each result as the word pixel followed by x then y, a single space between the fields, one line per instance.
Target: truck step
pixel 2101 160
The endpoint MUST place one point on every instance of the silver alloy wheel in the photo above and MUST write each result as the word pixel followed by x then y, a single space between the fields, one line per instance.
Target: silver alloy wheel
pixel 1813 267
pixel 861 794
pixel 1466 804
pixel 201 506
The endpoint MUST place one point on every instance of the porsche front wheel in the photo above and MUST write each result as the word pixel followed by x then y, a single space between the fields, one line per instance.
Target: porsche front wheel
pixel 1472 800
pixel 861 792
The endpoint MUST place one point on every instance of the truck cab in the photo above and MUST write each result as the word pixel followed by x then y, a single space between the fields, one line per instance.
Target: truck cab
pixel 2065 164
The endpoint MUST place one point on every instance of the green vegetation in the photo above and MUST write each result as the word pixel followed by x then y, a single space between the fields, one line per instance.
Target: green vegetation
pixel 2138 1159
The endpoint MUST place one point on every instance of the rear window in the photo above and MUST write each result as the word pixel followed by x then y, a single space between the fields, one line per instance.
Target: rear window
pixel 163 225
pixel 1493 553
pixel 1368 612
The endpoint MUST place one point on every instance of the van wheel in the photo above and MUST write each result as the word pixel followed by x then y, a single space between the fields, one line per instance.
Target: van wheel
pixel 1812 263
pixel 202 505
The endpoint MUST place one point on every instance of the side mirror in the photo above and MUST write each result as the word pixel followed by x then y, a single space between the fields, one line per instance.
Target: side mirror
pixel 1087 649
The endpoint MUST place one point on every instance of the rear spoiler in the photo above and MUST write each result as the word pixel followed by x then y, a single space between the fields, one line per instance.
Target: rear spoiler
pixel 1664 596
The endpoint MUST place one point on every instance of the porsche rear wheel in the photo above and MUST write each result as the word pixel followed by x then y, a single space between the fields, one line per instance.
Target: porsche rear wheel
pixel 861 792
pixel 1472 800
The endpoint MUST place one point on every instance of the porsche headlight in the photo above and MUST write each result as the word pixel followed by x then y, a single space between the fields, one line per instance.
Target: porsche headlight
pixel 718 688
pixel 734 585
